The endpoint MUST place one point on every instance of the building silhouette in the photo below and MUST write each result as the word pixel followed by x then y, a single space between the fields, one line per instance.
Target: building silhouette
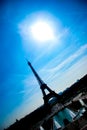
pixel 43 87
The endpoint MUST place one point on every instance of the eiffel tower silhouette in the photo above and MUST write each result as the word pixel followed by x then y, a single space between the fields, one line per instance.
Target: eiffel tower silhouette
pixel 44 87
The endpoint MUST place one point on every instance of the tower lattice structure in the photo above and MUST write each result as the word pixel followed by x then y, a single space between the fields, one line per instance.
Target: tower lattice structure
pixel 44 87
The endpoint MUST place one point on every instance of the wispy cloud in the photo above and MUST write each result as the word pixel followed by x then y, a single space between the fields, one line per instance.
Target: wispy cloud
pixel 75 72
pixel 53 70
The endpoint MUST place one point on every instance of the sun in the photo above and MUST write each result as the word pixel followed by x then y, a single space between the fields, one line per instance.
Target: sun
pixel 42 31
pixel 39 29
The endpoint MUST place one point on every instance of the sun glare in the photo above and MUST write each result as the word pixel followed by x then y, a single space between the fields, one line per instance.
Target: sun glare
pixel 39 29
pixel 42 31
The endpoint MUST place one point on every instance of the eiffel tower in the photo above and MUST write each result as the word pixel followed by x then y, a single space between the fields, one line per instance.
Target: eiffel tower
pixel 44 87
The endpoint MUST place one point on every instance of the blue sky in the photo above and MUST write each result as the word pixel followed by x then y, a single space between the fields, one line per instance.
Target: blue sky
pixel 59 63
